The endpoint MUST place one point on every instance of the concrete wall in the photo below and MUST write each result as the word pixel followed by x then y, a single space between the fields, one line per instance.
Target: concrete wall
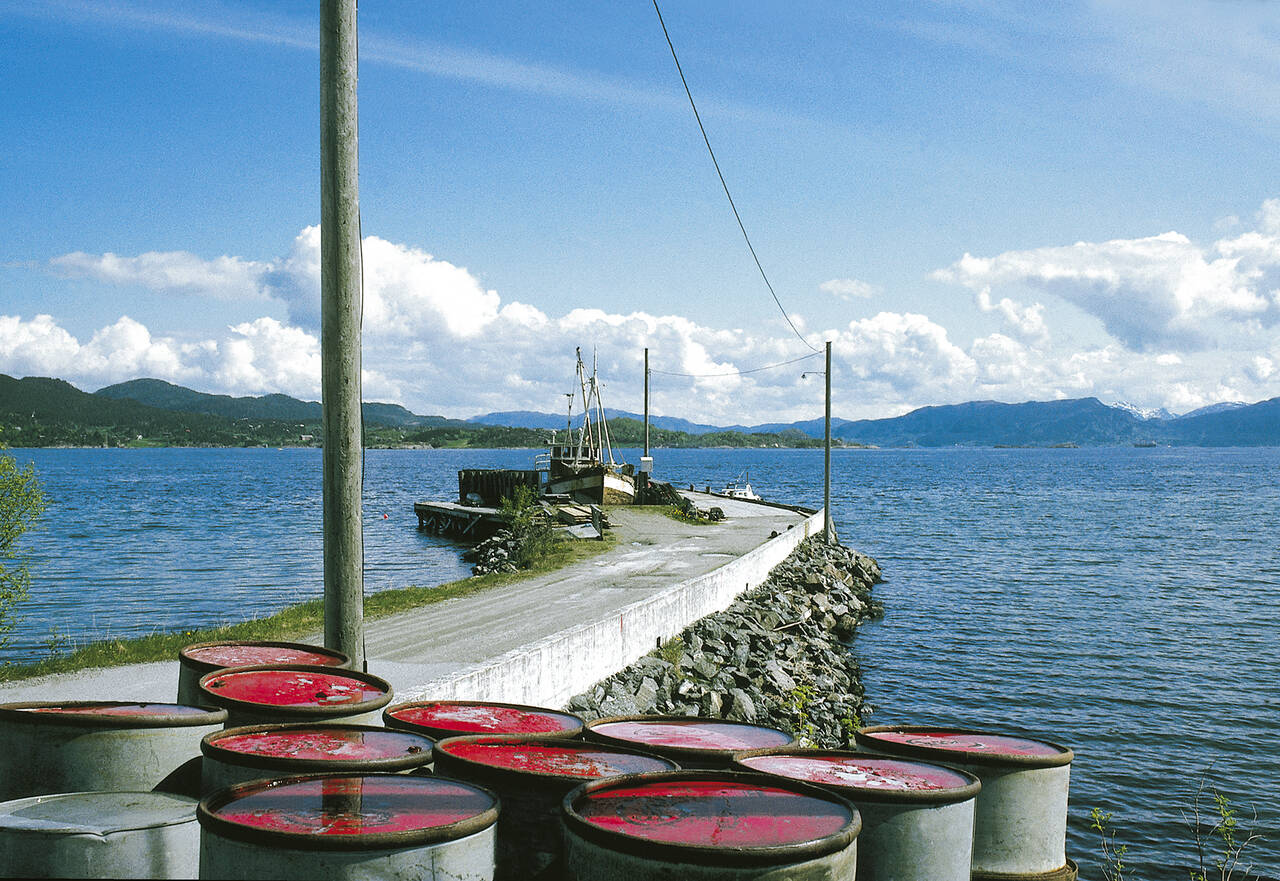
pixel 552 670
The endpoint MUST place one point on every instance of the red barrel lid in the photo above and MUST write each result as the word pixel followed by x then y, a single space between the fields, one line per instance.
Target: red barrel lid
pixel 572 759
pixel 113 714
pixel 688 733
pixel 342 747
pixel 294 686
pixel 713 817
pixel 349 812
pixel 448 718
pixel 218 655
pixel 963 745
pixel 862 777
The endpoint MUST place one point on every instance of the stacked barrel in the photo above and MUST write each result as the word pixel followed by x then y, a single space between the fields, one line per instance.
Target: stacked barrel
pixel 278 761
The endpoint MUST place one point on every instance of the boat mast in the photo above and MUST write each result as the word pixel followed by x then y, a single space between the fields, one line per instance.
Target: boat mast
pixel 606 447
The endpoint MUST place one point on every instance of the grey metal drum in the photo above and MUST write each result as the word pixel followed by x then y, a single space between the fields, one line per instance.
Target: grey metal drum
pixel 1020 819
pixel 99 835
pixel 917 817
pixel 283 693
pixel 264 752
pixel 708 826
pixel 79 746
pixel 349 827
pixel 198 659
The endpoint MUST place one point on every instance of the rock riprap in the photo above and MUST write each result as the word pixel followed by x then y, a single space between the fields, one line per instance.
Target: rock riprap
pixel 779 655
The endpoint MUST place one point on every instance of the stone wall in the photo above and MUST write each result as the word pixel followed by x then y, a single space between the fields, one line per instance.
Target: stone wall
pixel 778 655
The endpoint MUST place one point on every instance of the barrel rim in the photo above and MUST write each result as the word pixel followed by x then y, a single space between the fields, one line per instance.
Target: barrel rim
pixel 1069 871
pixel 304 711
pixel 701 854
pixel 186 802
pixel 855 794
pixel 500 774
pixel 17 712
pixel 690 753
pixel 367 842
pixel 208 667
pixel 962 757
pixel 445 733
pixel 209 749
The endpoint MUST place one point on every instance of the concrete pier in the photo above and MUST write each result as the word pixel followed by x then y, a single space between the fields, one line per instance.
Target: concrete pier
pixel 542 639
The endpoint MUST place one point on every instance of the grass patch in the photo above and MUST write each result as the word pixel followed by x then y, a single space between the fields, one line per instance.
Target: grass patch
pixel 292 623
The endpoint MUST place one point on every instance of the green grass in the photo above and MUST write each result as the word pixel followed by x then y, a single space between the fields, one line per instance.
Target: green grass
pixel 294 622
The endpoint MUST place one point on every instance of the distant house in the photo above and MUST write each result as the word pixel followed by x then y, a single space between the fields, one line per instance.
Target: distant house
pixel 307 438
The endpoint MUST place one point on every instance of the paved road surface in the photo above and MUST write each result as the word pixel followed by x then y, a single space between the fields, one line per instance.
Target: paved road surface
pixel 653 552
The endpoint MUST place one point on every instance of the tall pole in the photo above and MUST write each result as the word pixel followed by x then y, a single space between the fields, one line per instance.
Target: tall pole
pixel 646 401
pixel 340 312
pixel 828 534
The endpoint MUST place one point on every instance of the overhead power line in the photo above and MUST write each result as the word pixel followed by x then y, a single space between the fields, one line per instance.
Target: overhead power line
pixel 740 372
pixel 728 195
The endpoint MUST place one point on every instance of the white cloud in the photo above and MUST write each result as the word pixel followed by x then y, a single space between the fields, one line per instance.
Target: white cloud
pixel 1026 321
pixel 1162 291
pixel 225 278
pixel 437 340
pixel 848 288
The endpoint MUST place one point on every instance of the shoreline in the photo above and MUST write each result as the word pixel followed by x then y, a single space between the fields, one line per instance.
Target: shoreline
pixel 779 655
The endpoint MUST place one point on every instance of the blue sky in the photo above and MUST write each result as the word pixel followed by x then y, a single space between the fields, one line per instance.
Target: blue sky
pixel 973 201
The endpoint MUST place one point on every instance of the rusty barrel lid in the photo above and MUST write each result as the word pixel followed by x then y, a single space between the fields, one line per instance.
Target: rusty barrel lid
pixel 441 719
pixel 304 747
pixel 964 746
pixel 721 818
pixel 861 777
pixel 110 714
pixel 691 738
pixel 205 657
pixel 349 812
pixel 300 690
pixel 534 761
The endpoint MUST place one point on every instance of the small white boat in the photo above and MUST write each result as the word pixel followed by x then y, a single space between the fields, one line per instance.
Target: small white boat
pixel 740 488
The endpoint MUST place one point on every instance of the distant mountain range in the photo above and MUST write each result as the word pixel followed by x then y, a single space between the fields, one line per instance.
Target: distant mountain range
pixel 167 396
pixel 1082 421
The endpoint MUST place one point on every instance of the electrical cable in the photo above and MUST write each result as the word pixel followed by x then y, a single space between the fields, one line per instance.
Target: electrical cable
pixel 739 372
pixel 714 162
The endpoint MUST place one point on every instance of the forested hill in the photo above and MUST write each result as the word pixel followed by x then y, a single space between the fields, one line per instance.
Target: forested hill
pixel 158 393
pixel 39 411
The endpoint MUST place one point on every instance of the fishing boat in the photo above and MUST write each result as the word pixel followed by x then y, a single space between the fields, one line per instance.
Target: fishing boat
pixel 740 488
pixel 583 467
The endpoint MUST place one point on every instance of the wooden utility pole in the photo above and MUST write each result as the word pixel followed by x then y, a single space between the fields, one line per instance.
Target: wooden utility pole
pixel 828 534
pixel 340 313
pixel 646 401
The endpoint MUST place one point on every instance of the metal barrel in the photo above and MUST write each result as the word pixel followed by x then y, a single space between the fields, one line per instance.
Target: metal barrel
pixel 281 693
pixel 692 741
pixel 76 746
pixel 708 826
pixel 1020 816
pixel 917 817
pixel 441 719
pixel 195 660
pixel 531 776
pixel 99 835
pixel 258 752
pixel 349 827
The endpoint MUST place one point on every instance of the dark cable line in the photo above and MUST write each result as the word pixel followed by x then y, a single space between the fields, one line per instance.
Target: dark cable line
pixel 737 216
pixel 739 372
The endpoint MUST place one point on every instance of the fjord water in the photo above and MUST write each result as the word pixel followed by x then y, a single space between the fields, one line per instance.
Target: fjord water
pixel 1120 601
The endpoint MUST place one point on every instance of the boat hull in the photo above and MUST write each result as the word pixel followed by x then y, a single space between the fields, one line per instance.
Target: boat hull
pixel 594 485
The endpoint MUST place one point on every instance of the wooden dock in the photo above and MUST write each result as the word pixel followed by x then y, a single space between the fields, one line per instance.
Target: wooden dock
pixel 458 521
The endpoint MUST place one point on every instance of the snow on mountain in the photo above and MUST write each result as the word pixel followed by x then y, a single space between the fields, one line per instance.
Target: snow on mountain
pixel 1143 413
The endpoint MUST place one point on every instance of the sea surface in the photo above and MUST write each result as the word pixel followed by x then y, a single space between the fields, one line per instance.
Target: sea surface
pixel 1121 601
